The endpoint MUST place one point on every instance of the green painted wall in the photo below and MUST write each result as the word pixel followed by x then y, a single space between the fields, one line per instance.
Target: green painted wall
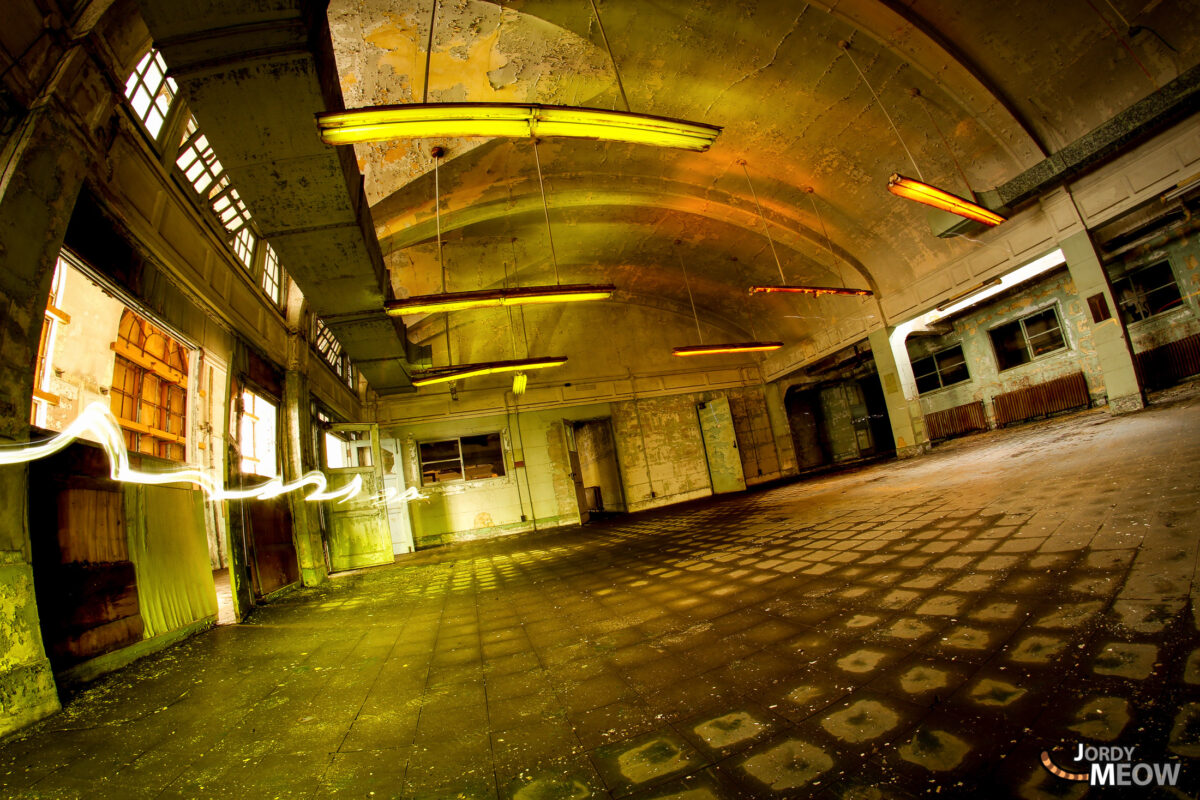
pixel 987 381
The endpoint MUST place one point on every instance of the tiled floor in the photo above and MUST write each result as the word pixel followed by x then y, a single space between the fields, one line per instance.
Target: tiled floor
pixel 911 628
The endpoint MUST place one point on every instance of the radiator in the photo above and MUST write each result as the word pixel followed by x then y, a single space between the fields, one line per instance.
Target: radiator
pixel 1169 363
pixel 956 421
pixel 1041 400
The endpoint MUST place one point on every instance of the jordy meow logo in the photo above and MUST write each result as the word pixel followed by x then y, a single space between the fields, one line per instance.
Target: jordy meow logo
pixel 1115 766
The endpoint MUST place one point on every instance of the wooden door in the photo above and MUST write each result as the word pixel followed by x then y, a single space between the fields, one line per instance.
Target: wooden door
pixel 359 534
pixel 576 470
pixel 720 446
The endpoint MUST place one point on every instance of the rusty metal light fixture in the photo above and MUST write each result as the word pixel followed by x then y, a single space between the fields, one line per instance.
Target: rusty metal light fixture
pixel 934 197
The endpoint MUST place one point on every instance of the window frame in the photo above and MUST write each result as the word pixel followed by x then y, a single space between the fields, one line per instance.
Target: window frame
pixel 462 463
pixel 253 416
pixel 332 354
pixel 937 369
pixel 1020 322
pixel 1132 271
pixel 137 80
pixel 137 370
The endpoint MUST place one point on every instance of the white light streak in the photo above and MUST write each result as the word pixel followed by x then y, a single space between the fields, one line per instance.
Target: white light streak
pixel 98 421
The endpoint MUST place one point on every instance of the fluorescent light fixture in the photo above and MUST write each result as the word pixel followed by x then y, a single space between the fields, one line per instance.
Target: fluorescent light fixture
pixel 512 120
pixel 938 198
pixel 1002 284
pixel 813 290
pixel 494 298
pixel 520 381
pixel 735 347
pixel 460 371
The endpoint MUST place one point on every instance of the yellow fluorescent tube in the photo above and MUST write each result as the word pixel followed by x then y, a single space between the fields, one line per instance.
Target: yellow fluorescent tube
pixel 493 298
pixel 937 198
pixel 735 347
pixel 446 374
pixel 514 120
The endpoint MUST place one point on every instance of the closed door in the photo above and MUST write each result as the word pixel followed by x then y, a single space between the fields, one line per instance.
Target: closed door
pixel 720 446
pixel 359 534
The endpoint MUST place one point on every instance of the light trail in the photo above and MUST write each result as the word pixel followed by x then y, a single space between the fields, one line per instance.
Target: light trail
pixel 98 421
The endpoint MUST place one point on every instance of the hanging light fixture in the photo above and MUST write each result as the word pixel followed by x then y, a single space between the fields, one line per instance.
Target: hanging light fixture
pixel 493 298
pixel 934 197
pixel 452 372
pixel 816 291
pixel 496 298
pixel 784 287
pixel 460 371
pixel 512 120
pixel 917 190
pixel 714 349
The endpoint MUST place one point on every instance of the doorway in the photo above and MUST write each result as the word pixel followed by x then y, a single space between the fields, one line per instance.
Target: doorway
pixel 592 449
pixel 807 423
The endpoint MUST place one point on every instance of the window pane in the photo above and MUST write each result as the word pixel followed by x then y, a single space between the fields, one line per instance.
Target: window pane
pixel 1009 344
pixel 483 456
pixel 952 366
pixel 928 383
pixel 1043 331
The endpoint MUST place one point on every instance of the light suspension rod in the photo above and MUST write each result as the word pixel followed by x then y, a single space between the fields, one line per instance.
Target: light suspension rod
pixel 494 298
pixel 941 199
pixel 762 218
pixel 460 371
pixel 512 120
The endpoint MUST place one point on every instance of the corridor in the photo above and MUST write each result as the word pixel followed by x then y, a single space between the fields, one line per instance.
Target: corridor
pixel 919 626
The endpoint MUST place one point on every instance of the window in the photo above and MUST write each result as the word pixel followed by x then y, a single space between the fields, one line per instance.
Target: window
pixel 243 247
pixel 256 438
pixel 465 458
pixel 150 92
pixel 1141 293
pixel 330 349
pixel 149 389
pixel 203 169
pixel 944 368
pixel 272 276
pixel 43 368
pixel 1022 340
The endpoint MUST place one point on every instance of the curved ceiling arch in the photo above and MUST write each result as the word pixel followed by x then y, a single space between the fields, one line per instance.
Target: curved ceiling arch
pixel 787 231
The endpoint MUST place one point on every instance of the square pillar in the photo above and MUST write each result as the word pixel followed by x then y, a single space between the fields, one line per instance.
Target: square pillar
pixel 1113 349
pixel 903 407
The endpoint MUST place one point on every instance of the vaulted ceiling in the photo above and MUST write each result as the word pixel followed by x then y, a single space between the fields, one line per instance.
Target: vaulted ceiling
pixel 992 87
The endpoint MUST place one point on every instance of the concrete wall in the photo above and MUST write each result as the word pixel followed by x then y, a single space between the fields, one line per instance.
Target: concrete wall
pixel 1182 249
pixel 971 331
pixel 657 443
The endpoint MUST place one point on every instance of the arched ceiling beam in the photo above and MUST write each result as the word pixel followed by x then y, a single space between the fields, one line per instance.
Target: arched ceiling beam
pixel 710 205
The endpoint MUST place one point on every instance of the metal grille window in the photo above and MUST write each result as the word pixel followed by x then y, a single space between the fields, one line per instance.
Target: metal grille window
pixel 149 389
pixel 1144 292
pixel 150 92
pixel 465 458
pixel 1022 340
pixel 272 276
pixel 256 436
pixel 944 368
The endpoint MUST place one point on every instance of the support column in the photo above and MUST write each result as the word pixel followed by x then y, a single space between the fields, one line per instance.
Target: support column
pixel 43 165
pixel 1111 339
pixel 903 407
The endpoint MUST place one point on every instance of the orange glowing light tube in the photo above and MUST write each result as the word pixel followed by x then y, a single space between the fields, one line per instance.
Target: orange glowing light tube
pixel 937 198
pixel 732 347
pixel 814 290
